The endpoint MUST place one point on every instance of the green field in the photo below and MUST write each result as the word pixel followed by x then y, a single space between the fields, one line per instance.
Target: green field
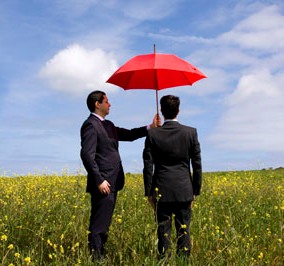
pixel 237 220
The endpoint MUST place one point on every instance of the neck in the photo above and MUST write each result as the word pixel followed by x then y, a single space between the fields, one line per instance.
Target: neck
pixel 98 116
pixel 173 119
pixel 102 115
pixel 169 119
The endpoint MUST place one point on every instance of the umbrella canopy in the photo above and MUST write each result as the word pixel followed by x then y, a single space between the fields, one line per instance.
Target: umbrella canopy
pixel 155 71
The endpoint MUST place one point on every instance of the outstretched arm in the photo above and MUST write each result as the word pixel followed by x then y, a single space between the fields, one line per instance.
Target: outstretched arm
pixel 136 133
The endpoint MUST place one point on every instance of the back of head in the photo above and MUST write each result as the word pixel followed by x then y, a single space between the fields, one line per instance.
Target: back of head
pixel 93 97
pixel 170 106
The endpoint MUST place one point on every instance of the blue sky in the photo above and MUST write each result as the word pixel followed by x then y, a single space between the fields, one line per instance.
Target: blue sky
pixel 54 52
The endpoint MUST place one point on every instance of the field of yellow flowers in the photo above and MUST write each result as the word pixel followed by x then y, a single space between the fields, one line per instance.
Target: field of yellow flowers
pixel 237 220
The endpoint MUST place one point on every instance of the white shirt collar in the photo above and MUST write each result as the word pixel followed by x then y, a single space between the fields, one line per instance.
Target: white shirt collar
pixel 168 120
pixel 98 116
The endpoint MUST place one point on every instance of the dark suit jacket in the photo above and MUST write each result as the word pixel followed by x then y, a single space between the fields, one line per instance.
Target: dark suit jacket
pixel 99 151
pixel 169 151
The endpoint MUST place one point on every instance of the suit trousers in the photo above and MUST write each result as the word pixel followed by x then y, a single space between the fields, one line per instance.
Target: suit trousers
pixel 182 216
pixel 102 207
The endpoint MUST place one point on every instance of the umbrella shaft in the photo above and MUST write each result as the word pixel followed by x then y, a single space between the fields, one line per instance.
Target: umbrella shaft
pixel 157 102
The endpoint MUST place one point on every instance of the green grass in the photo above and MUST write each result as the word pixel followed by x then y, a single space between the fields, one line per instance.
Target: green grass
pixel 237 220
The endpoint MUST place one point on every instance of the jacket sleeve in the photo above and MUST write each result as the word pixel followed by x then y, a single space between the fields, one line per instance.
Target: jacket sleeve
pixel 148 168
pixel 196 164
pixel 88 152
pixel 131 134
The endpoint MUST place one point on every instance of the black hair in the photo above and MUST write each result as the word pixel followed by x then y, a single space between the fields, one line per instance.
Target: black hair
pixel 93 97
pixel 170 106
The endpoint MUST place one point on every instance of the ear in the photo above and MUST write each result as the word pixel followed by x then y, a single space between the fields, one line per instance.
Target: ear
pixel 97 104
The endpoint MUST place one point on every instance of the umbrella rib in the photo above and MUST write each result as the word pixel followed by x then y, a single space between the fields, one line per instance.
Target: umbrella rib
pixel 183 73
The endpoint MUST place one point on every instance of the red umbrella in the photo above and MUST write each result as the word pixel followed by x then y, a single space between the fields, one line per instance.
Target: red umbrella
pixel 155 71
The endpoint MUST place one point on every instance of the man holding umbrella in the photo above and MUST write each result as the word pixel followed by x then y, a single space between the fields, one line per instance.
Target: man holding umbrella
pixel 170 151
pixel 100 156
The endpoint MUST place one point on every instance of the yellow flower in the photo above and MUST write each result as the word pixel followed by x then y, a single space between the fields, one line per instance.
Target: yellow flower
pixel 17 255
pixel 4 238
pixel 61 249
pixel 183 226
pixel 75 246
pixel 27 259
pixel 11 246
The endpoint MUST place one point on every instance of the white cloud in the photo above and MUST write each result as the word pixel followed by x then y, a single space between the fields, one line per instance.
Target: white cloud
pixel 254 119
pixel 76 70
pixel 217 81
pixel 263 31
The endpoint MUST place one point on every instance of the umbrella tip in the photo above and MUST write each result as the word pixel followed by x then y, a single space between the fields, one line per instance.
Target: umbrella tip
pixel 154 48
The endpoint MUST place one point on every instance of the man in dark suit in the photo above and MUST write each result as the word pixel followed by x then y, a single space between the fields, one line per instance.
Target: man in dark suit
pixel 100 156
pixel 170 151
